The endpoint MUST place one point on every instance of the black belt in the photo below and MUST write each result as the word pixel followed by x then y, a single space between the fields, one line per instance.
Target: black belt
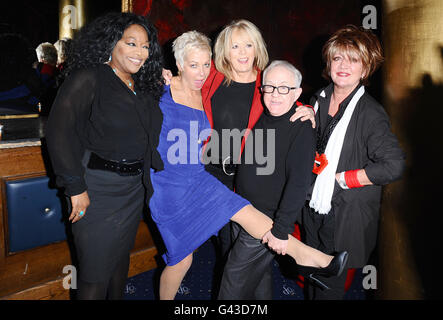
pixel 124 168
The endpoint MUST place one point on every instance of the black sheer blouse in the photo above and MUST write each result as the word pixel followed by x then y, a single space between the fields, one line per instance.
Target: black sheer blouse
pixel 231 106
pixel 95 110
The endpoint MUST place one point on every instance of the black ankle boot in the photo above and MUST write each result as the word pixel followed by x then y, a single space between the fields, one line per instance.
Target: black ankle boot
pixel 334 269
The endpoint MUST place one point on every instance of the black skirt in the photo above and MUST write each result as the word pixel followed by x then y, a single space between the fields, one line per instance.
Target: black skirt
pixel 106 233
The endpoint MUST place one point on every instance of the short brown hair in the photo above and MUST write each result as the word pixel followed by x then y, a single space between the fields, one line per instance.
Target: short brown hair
pixel 353 41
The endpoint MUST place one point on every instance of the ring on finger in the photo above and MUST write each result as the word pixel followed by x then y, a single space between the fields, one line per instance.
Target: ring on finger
pixel 81 213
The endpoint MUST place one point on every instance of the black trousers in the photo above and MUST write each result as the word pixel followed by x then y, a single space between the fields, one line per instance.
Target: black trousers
pixel 227 234
pixel 248 271
pixel 319 230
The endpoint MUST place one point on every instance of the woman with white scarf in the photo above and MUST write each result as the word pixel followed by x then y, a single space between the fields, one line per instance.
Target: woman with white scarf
pixel 356 155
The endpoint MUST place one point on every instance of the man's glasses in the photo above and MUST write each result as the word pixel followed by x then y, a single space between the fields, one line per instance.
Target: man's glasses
pixel 281 89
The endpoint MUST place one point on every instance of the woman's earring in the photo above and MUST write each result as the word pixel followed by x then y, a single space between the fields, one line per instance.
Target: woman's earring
pixel 110 58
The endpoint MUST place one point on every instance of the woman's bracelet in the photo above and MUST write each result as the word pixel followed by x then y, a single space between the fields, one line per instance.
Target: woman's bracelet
pixel 342 181
pixel 351 179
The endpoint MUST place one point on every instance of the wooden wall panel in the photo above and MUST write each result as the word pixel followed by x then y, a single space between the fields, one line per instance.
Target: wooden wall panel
pixel 38 273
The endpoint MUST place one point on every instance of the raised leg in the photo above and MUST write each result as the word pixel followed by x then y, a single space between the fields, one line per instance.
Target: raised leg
pixel 257 224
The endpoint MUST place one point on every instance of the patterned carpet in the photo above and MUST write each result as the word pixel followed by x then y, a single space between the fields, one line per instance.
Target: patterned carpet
pixel 198 283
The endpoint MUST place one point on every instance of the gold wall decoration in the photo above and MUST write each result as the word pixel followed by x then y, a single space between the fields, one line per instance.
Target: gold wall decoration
pixel 72 16
pixel 127 5
pixel 412 74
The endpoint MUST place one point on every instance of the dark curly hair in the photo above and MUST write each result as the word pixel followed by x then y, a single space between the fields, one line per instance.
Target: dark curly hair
pixel 93 45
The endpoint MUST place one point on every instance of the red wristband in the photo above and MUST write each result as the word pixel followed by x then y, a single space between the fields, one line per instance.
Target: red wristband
pixel 351 179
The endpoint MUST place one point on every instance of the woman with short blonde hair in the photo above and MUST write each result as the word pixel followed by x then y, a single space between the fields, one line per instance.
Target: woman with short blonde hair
pixel 62 47
pixel 47 53
pixel 187 41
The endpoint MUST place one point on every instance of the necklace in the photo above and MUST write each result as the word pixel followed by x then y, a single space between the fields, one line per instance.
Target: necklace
pixel 129 81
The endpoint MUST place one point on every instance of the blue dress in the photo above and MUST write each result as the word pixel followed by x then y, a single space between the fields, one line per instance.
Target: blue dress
pixel 189 205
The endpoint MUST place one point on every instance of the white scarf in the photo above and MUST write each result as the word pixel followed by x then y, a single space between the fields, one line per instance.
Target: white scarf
pixel 325 182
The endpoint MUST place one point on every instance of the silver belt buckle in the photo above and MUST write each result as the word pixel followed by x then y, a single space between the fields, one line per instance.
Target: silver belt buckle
pixel 223 166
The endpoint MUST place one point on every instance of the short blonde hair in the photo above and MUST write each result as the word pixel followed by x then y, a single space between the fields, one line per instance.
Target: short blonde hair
pixel 354 42
pixel 187 41
pixel 223 45
pixel 61 46
pixel 46 52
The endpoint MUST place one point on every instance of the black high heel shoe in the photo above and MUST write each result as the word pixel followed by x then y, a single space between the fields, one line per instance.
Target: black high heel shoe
pixel 334 269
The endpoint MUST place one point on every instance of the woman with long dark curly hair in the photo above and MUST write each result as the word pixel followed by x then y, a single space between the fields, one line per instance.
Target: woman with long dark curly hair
pixel 101 134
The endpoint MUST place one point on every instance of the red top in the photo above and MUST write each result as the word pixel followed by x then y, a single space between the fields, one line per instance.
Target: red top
pixel 48 69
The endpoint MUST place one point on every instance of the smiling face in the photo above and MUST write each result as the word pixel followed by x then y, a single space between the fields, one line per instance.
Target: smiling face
pixel 241 54
pixel 276 103
pixel 195 69
pixel 346 70
pixel 131 51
